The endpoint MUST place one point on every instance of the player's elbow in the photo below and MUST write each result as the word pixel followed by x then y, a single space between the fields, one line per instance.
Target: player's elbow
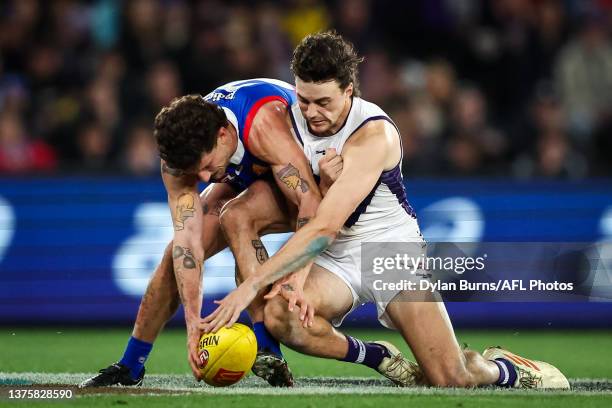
pixel 326 230
pixel 331 233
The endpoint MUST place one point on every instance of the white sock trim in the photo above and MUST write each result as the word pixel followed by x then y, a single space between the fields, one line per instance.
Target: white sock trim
pixel 362 352
pixel 504 371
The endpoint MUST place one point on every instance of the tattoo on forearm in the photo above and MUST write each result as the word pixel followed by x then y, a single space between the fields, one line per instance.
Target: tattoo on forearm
pixel 189 261
pixel 290 175
pixel 287 287
pixel 187 265
pixel 313 249
pixel 185 208
pixel 260 251
pixel 302 221
pixel 171 171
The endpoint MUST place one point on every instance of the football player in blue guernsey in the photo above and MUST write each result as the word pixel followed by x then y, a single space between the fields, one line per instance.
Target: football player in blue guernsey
pixel 366 202
pixel 238 139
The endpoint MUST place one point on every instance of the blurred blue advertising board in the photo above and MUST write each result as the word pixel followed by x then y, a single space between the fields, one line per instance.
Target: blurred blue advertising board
pixel 77 250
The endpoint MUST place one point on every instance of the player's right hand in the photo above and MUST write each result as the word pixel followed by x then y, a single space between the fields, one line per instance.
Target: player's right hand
pixel 330 167
pixel 193 340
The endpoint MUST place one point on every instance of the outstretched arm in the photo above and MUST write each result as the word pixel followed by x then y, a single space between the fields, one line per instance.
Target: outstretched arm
pixel 363 162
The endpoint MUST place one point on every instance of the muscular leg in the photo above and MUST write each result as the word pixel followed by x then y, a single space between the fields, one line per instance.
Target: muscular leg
pixel 331 298
pixel 427 329
pixel 261 209
pixel 161 299
pixel 258 210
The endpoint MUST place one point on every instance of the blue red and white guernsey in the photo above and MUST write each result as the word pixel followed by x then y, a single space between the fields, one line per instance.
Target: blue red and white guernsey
pixel 241 100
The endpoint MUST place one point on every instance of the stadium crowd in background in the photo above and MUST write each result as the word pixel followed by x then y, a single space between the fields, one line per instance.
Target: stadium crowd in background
pixel 519 88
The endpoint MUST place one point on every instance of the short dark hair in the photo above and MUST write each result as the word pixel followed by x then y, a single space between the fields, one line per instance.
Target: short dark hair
pixel 187 128
pixel 326 56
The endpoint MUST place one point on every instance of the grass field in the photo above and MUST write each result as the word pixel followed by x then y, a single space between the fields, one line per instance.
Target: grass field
pixel 35 357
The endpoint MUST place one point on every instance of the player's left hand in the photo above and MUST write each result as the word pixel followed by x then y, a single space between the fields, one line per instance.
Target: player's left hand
pixel 330 167
pixel 228 311
pixel 291 288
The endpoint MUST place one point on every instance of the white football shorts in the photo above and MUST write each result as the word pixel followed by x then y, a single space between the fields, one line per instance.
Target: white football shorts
pixel 343 259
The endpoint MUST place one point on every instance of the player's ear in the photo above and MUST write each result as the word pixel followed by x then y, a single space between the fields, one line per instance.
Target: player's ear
pixel 222 136
pixel 349 90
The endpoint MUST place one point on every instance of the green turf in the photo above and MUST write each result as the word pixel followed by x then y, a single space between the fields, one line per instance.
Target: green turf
pixel 579 354
pixel 318 401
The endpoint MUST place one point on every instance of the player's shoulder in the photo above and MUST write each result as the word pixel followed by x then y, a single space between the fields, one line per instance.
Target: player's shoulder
pixel 368 111
pixel 367 117
pixel 373 128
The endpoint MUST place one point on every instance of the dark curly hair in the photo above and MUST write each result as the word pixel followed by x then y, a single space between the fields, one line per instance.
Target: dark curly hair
pixel 326 56
pixel 187 128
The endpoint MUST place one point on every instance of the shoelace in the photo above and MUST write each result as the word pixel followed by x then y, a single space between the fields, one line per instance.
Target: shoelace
pixel 527 379
pixel 401 368
pixel 411 371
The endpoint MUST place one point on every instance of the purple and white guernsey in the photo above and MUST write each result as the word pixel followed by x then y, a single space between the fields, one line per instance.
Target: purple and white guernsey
pixel 387 205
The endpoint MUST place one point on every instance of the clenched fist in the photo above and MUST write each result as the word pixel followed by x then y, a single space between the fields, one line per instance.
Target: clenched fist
pixel 330 167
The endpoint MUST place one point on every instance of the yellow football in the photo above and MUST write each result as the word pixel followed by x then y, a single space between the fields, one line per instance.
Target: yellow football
pixel 227 355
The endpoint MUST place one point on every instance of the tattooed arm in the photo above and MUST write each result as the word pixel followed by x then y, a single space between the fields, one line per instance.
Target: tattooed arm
pixel 373 149
pixel 289 178
pixel 187 250
pixel 271 141
pixel 370 151
pixel 291 287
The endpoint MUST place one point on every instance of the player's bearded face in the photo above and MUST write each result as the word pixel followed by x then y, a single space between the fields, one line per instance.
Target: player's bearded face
pixel 324 105
pixel 213 165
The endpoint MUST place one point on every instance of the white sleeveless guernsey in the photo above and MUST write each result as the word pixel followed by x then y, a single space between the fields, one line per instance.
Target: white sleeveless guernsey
pixel 383 216
pixel 386 206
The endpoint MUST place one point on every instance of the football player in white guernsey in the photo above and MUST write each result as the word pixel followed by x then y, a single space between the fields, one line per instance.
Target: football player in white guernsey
pixel 366 202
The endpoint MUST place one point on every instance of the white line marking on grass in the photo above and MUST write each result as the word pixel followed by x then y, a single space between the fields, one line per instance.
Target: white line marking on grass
pixel 185 384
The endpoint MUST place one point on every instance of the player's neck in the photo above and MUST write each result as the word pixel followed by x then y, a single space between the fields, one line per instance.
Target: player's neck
pixel 233 139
